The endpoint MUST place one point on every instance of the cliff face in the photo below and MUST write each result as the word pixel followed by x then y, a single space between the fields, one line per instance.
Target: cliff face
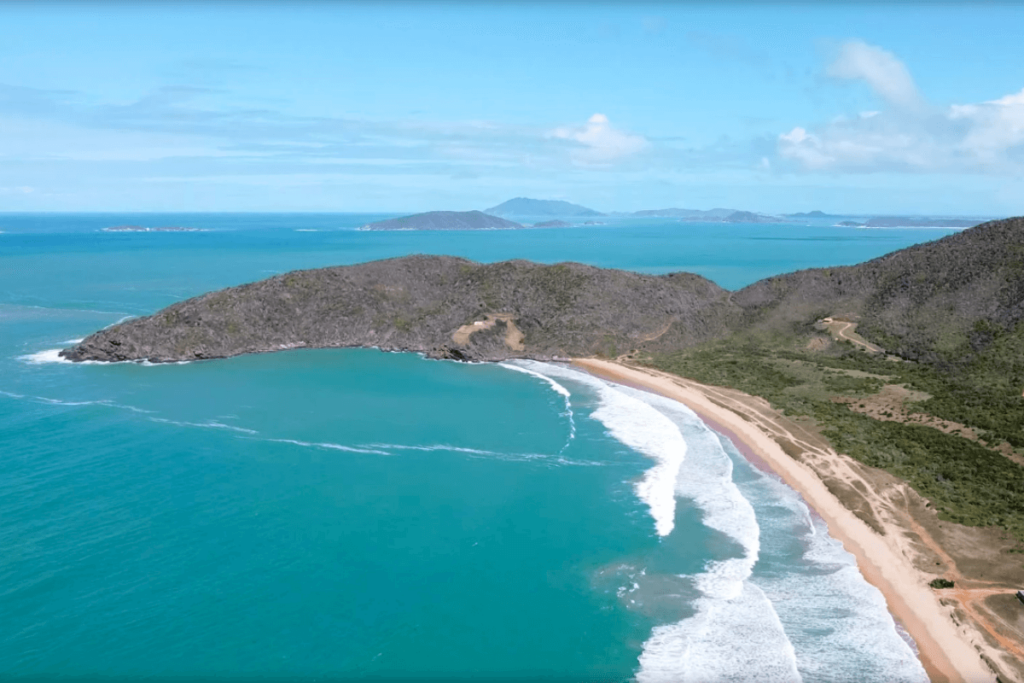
pixel 445 307
pixel 941 302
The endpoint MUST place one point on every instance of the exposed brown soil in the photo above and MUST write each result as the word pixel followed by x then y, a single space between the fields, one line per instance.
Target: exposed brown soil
pixel 513 336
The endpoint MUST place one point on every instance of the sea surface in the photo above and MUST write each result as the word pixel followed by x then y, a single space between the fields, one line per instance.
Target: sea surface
pixel 354 514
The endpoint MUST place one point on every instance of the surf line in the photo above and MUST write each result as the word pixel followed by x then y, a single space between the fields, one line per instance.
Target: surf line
pixel 559 389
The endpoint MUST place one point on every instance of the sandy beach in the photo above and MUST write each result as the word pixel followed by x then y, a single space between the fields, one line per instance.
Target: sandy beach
pixel 951 648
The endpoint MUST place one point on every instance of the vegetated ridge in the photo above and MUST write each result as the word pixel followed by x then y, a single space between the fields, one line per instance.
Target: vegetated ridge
pixel 942 302
pixel 419 303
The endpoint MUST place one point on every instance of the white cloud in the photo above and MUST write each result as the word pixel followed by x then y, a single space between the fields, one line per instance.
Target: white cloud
pixel 880 69
pixel 995 127
pixel 910 134
pixel 599 143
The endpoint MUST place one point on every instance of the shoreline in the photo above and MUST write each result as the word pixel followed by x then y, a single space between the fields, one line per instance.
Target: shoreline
pixel 944 652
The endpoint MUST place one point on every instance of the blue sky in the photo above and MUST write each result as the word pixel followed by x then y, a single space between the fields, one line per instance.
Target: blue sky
pixel 332 106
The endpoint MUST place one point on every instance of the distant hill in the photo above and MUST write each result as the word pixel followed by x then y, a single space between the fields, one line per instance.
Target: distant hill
pixel 668 213
pixel 522 206
pixel 810 214
pixel 749 217
pixel 445 220
pixel 552 224
pixel 711 216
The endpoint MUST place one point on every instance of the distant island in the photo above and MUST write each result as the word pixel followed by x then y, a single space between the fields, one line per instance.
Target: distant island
pixel 445 220
pixel 139 228
pixel 710 216
pixel 562 214
pixel 694 214
pixel 523 206
pixel 810 214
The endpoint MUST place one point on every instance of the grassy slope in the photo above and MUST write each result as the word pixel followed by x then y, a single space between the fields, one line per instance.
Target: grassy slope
pixel 966 481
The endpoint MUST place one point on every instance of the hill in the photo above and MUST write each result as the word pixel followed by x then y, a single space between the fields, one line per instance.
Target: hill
pixel 420 303
pixel 522 206
pixel 445 220
pixel 942 302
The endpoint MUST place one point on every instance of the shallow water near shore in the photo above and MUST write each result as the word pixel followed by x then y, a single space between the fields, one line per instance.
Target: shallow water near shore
pixel 350 513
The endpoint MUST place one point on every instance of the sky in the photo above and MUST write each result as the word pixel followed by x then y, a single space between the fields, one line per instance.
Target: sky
pixel 861 108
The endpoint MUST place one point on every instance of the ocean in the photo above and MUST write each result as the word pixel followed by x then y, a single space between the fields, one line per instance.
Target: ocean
pixel 352 514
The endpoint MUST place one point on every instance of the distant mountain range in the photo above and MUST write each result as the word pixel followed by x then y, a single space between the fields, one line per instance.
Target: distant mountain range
pixel 522 206
pixel 561 214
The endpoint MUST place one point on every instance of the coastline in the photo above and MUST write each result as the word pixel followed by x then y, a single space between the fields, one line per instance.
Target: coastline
pixel 945 650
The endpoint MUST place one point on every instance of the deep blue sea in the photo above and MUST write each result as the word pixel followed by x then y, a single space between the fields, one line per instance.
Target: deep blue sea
pixel 351 514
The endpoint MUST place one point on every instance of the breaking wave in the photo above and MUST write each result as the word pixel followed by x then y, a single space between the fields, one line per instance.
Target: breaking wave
pixel 642 428
pixel 211 424
pixel 47 356
pixel 522 366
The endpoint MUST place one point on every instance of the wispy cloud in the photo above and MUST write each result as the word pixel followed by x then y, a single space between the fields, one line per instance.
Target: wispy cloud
pixel 908 134
pixel 880 69
pixel 198 122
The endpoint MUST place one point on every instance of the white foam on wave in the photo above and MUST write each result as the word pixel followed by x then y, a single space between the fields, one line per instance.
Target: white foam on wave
pixel 53 356
pixel 491 455
pixel 47 356
pixel 211 424
pixel 839 623
pixel 521 366
pixel 736 629
pixel 642 428
pixel 330 446
pixel 822 623
pixel 739 639
pixel 61 402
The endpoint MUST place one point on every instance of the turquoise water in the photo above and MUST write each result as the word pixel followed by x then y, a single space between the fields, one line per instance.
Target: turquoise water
pixel 354 514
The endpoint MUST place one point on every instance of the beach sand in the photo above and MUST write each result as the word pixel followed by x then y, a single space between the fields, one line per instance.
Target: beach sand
pixel 950 647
